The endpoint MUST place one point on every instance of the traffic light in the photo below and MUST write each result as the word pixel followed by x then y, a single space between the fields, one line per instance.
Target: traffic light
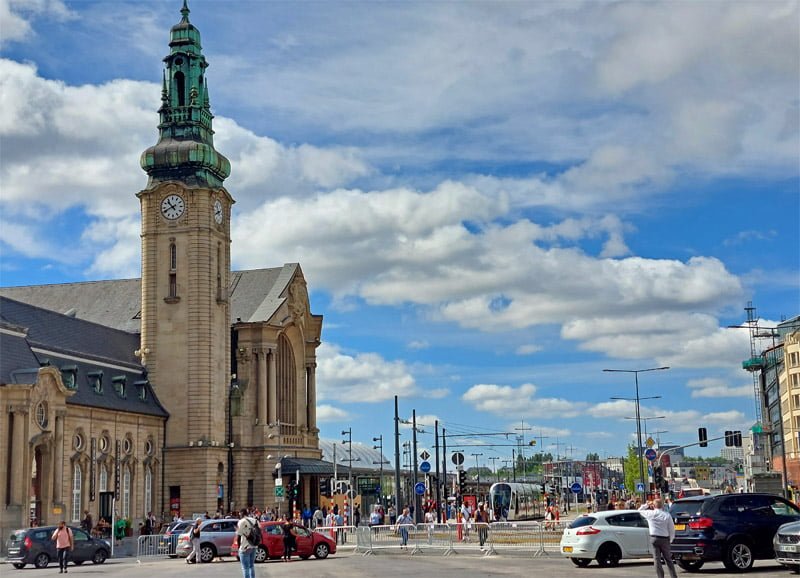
pixel 737 439
pixel 658 476
pixel 728 438
pixel 325 487
pixel 462 482
pixel 702 434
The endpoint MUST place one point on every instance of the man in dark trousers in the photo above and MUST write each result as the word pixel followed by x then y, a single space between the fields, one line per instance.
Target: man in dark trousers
pixel 662 533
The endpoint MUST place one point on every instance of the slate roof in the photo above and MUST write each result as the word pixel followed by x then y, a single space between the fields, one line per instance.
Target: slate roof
pixel 255 296
pixel 31 336
pixel 364 456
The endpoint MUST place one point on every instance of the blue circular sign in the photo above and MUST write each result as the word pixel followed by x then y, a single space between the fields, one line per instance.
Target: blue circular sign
pixel 650 454
pixel 419 488
pixel 425 467
pixel 576 488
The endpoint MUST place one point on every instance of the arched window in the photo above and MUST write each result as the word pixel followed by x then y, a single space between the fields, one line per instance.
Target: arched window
pixel 77 484
pixel 126 492
pixel 287 385
pixel 103 481
pixel 148 491
pixel 173 270
pixel 180 85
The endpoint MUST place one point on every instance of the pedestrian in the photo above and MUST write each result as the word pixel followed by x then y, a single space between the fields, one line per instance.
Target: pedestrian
pixel 247 549
pixel 86 523
pixel 307 516
pixel 466 520
pixel 288 541
pixel 340 535
pixel 482 521
pixel 662 533
pixel 194 537
pixel 356 516
pixel 403 522
pixel 64 543
pixel 430 521
pixel 317 518
pixel 392 515
pixel 375 517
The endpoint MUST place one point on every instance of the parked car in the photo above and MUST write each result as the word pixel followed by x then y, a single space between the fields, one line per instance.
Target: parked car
pixel 308 543
pixel 215 539
pixel 607 537
pixel 786 544
pixel 34 546
pixel 736 529
pixel 169 537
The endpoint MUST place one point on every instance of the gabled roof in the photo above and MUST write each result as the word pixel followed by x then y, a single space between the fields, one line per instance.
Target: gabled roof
pixel 31 336
pixel 255 296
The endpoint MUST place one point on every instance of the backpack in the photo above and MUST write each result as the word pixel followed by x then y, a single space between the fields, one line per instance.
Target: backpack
pixel 254 535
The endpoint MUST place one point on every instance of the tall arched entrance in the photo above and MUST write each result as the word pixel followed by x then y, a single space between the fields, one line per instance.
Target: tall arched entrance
pixel 37 477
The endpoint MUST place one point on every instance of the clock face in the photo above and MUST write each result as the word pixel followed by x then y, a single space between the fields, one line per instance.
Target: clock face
pixel 172 206
pixel 218 212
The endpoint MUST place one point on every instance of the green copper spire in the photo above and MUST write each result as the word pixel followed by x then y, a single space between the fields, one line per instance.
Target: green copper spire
pixel 185 149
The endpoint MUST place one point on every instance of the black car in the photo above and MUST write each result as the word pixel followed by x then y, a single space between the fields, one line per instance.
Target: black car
pixel 735 529
pixel 34 546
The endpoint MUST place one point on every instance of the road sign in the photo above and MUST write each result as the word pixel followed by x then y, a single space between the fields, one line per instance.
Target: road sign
pixel 576 488
pixel 278 491
pixel 650 442
pixel 639 487
pixel 425 467
pixel 650 454
pixel 419 488
pixel 425 455
pixel 458 458
pixel 278 481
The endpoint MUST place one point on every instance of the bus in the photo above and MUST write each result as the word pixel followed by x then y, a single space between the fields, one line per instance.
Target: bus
pixel 515 501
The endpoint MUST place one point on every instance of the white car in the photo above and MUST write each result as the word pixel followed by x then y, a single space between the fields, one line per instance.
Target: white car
pixel 607 537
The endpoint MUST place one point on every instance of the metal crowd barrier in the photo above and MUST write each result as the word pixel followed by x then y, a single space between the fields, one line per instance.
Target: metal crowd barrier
pixel 152 546
pixel 344 536
pixel 534 538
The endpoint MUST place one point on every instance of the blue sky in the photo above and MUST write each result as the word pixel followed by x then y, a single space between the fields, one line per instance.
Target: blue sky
pixel 491 201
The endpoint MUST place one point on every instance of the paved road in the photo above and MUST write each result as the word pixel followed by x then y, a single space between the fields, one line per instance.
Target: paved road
pixel 356 566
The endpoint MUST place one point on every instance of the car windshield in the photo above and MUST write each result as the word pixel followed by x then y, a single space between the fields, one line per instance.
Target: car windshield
pixel 686 508
pixel 583 521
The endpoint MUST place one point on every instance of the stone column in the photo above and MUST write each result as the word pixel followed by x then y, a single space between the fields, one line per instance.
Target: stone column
pixel 261 386
pixel 18 445
pixel 272 386
pixel 58 458
pixel 311 396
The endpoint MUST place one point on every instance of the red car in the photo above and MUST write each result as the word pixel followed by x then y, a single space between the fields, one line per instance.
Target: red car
pixel 308 543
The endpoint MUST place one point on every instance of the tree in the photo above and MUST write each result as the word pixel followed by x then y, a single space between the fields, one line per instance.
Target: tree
pixel 632 466
pixel 592 457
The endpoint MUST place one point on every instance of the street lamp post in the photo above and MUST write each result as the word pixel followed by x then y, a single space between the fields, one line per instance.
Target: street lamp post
pixel 636 373
pixel 494 459
pixel 234 386
pixel 478 471
pixel 379 447
pixel 350 493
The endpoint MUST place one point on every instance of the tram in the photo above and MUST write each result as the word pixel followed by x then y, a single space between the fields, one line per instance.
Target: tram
pixel 516 501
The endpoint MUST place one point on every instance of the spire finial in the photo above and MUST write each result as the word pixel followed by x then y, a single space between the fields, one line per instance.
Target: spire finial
pixel 185 11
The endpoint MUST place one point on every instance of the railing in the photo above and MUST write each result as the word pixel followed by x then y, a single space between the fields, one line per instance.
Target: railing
pixel 533 538
pixel 344 536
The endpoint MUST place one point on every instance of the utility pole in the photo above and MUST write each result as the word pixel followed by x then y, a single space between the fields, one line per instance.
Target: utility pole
pixel 396 459
pixel 416 465
pixel 379 447
pixel 444 471
pixel 521 445
pixel 494 459
pixel 478 471
pixel 438 482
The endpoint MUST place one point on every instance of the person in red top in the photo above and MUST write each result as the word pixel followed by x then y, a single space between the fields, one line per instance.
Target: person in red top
pixel 64 543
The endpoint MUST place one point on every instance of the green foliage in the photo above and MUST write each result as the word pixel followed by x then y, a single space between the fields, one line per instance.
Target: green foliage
pixel 592 457
pixel 632 468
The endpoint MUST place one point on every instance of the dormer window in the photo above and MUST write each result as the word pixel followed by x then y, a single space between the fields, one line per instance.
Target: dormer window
pixel 95 379
pixel 119 382
pixel 69 375
pixel 141 389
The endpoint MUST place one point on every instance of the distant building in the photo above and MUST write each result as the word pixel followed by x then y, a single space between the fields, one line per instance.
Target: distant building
pixel 732 454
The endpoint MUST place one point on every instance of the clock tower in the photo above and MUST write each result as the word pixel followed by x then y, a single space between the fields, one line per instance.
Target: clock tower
pixel 185 326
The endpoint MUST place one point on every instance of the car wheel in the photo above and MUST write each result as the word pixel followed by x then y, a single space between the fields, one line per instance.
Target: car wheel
pixel 608 556
pixel 581 562
pixel 41 561
pixel 321 551
pixel 739 557
pixel 19 565
pixel 261 554
pixel 691 565
pixel 99 557
pixel 207 553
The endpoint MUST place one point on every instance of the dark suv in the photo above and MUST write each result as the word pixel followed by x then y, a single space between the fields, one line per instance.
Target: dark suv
pixel 34 546
pixel 735 529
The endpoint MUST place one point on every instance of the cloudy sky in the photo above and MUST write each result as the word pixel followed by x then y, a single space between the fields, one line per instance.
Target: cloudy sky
pixel 491 201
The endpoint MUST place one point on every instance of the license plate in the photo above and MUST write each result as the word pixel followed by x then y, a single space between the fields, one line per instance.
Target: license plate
pixel 566 549
pixel 680 526
pixel 787 547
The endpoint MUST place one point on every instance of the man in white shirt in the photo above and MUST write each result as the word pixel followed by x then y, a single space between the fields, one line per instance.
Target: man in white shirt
pixel 662 533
